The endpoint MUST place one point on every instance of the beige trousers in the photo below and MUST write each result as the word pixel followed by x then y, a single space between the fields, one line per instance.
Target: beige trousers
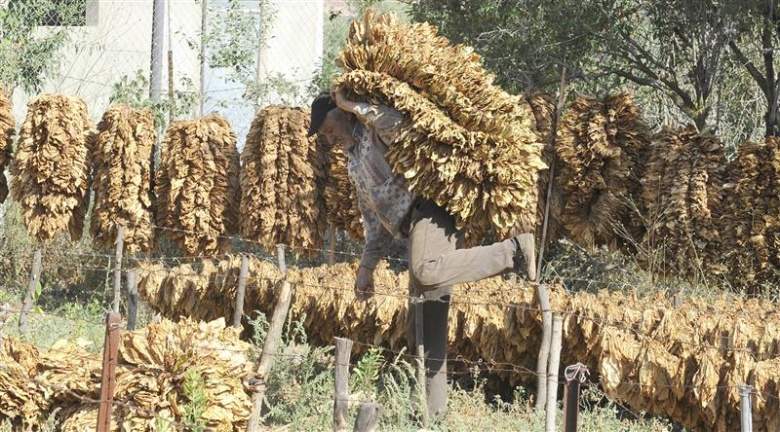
pixel 436 262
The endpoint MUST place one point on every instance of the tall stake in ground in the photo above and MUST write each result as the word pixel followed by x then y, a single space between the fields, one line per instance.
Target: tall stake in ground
pixel 243 274
pixel 341 399
pixel 368 417
pixel 541 289
pixel 575 375
pixel 270 346
pixel 108 381
pixel 418 339
pixel 746 410
pixel 132 298
pixel 35 277
pixel 552 373
pixel 120 247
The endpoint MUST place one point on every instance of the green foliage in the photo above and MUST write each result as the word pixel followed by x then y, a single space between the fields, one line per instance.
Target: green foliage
pixel 524 42
pixel 688 62
pixel 193 388
pixel 28 56
pixel 259 327
pixel 134 91
pixel 365 375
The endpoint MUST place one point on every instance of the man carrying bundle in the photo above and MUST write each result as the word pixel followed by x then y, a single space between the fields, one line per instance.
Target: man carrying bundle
pixel 437 259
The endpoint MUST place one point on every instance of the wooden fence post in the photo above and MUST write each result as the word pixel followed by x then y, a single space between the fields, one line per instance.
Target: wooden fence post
pixel 270 345
pixel 108 381
pixel 341 400
pixel 35 276
pixel 368 417
pixel 544 349
pixel 238 311
pixel 421 375
pixel 544 299
pixel 132 298
pixel 120 247
pixel 746 411
pixel 552 373
pixel 331 245
pixel 574 375
pixel 5 313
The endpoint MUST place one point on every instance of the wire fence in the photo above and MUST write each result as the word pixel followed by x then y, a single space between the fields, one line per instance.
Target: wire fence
pixel 492 365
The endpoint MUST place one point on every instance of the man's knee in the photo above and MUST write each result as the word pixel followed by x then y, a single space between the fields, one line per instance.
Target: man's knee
pixel 426 274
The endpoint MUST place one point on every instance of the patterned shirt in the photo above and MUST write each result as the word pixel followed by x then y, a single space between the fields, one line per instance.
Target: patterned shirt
pixel 384 198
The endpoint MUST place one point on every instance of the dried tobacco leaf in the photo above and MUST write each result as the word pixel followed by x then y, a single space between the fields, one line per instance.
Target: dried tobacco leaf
pixel 197 186
pixel 281 182
pixel 51 168
pixel 466 145
pixel 122 183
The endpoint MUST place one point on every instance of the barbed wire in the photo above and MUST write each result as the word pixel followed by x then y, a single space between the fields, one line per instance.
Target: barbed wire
pixel 383 291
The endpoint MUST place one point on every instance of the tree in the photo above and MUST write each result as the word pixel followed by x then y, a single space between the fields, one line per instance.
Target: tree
pixel 677 55
pixel 675 47
pixel 755 34
pixel 527 42
pixel 27 55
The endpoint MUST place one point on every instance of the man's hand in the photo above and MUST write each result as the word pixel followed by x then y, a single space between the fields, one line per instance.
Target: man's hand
pixel 364 284
pixel 339 96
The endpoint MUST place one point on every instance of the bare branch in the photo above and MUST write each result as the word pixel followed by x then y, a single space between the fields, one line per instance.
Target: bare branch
pixel 752 69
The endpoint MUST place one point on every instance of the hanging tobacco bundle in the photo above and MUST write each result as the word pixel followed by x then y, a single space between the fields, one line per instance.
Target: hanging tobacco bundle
pixel 197 187
pixel 466 144
pixel 7 128
pixel 750 216
pixel 339 194
pixel 51 168
pixel 682 188
pixel 281 180
pixel 122 184
pixel 601 147
pixel 654 357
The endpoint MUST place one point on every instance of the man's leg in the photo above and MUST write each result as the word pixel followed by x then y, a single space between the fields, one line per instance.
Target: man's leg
pixel 435 261
pixel 435 312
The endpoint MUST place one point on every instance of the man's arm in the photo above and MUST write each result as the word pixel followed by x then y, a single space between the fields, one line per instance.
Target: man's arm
pixel 385 121
pixel 378 239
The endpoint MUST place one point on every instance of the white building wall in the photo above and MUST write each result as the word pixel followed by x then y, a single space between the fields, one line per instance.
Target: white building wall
pixel 294 48
pixel 117 42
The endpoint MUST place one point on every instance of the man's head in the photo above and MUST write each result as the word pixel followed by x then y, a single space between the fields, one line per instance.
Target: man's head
pixel 331 123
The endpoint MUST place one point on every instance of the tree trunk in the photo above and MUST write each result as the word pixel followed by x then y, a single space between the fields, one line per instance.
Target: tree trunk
pixel 771 118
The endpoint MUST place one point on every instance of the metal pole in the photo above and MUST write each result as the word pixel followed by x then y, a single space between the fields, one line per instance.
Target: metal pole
pixel 158 42
pixel 575 375
pixel 171 100
pixel 746 412
pixel 155 74
pixel 108 381
pixel 204 16
pixel 260 72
